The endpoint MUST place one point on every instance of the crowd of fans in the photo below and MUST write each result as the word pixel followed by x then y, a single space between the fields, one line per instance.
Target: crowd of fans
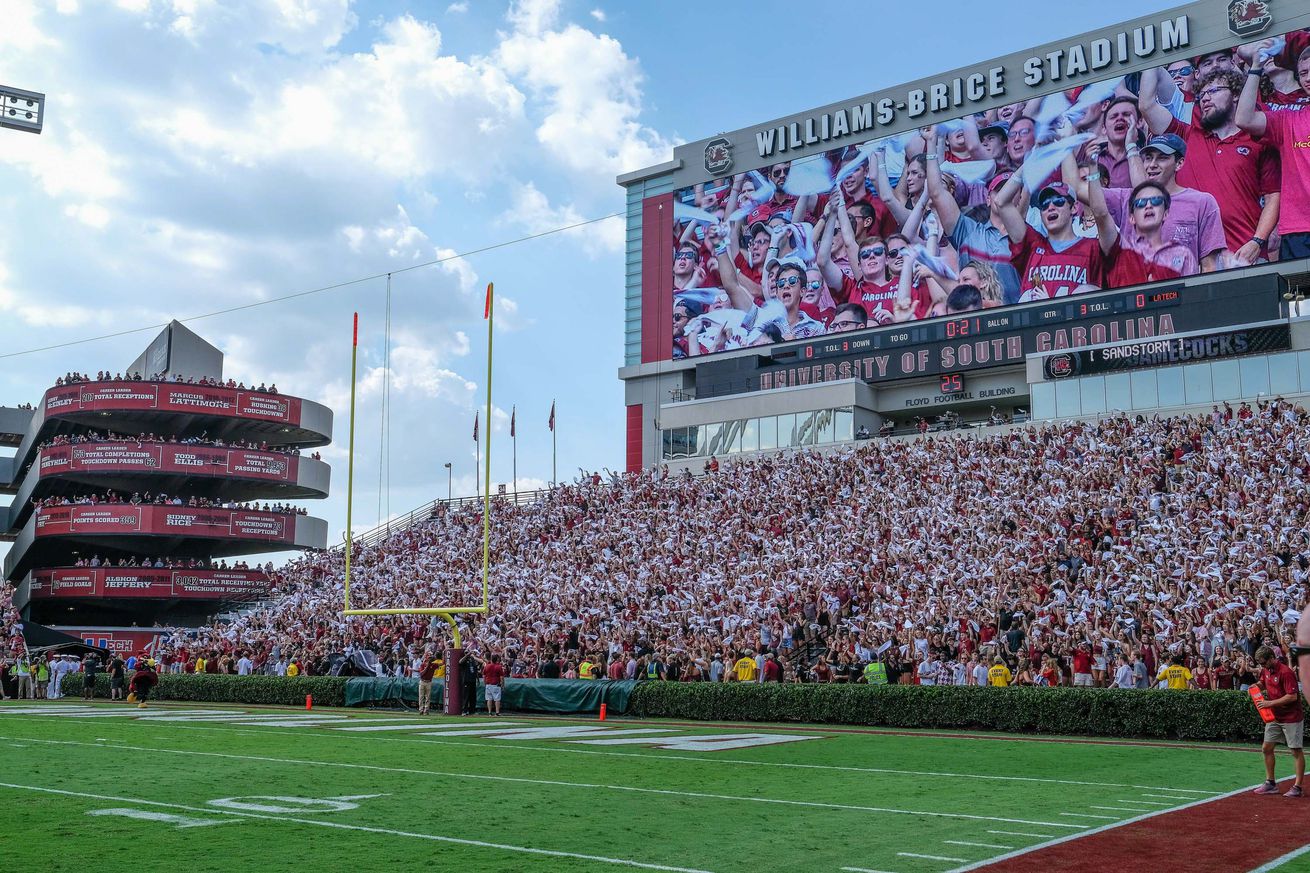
pixel 1173 171
pixel 1050 551
pixel 113 498
pixel 171 563
pixel 74 377
pixel 1076 553
pixel 204 439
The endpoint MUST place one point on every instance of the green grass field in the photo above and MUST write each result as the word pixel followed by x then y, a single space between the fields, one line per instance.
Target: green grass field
pixel 225 788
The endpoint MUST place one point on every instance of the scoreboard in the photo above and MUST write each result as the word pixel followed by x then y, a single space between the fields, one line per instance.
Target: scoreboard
pixel 950 347
pixel 990 323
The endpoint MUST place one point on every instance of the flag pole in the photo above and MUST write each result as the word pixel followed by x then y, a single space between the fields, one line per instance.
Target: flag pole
pixel 486 493
pixel 350 463
pixel 514 438
pixel 554 447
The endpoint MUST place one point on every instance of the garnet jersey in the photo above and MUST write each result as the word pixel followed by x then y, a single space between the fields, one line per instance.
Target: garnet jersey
pixel 1056 269
pixel 877 298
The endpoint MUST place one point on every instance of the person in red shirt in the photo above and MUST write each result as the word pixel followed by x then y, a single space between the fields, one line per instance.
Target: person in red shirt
pixel 1151 258
pixel 1240 172
pixel 1055 263
pixel 772 669
pixel 493 674
pixel 1082 666
pixel 1283 699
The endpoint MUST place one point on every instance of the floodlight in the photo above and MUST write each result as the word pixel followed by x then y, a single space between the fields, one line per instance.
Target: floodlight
pixel 21 110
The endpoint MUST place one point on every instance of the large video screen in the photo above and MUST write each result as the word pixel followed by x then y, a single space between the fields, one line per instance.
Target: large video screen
pixel 1192 167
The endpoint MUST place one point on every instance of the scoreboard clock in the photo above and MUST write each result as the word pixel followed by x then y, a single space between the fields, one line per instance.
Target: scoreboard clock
pixel 952 383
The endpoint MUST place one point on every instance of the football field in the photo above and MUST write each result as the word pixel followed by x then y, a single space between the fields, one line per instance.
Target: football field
pixel 227 788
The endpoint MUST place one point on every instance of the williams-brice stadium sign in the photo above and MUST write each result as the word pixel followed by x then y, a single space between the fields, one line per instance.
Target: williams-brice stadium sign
pixel 1167 351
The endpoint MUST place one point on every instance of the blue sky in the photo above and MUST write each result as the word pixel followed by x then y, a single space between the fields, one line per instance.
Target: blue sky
pixel 202 154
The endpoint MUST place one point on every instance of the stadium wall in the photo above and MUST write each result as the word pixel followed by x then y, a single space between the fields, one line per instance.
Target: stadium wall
pixel 726 387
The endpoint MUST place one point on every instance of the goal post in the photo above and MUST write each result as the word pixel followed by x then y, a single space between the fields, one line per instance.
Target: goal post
pixel 455 654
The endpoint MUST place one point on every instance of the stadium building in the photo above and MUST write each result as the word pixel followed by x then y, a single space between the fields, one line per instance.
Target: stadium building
pixel 1021 299
pixel 180 432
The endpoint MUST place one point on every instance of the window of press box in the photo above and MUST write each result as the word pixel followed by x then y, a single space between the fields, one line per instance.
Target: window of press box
pixel 769 433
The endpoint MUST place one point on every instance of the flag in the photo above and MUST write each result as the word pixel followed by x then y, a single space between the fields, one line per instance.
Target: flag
pixel 486 312
pixel 513 411
pixel 551 424
pixel 475 427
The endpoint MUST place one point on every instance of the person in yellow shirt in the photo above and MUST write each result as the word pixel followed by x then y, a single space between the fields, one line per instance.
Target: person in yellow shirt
pixel 744 668
pixel 585 669
pixel 1176 676
pixel 293 669
pixel 999 676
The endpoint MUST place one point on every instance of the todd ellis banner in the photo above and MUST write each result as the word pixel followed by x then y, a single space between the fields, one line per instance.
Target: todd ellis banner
pixel 1164 352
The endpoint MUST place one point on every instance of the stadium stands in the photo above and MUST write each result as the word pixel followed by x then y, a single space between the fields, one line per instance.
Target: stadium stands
pixel 1180 536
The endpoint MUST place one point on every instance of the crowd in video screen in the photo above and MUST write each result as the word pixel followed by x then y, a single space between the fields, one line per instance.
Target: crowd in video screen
pixel 1196 166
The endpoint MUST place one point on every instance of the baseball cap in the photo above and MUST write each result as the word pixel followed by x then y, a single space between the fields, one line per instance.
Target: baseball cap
pixel 998 180
pixel 1000 128
pixel 1168 143
pixel 1055 189
pixel 758 226
pixel 760 214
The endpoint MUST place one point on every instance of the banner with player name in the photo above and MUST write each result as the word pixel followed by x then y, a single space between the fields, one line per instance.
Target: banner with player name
pixel 149 582
pixel 96 520
pixel 172 397
pixel 107 457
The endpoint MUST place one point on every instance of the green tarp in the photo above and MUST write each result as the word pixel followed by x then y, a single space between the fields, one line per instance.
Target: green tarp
pixel 554 696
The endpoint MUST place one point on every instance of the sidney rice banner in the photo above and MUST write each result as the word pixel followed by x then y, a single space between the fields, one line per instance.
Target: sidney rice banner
pixel 171 397
pixel 238 524
pixel 134 457
pixel 149 582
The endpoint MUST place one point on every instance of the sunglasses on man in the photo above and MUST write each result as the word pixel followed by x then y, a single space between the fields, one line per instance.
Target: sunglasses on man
pixel 1143 202
pixel 1056 201
pixel 873 252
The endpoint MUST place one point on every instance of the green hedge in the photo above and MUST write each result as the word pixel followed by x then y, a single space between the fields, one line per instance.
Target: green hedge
pixel 218 688
pixel 1175 715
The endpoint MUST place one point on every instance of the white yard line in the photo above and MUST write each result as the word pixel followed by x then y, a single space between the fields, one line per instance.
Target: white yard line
pixel 372 830
pixel 979 845
pixel 1021 834
pixel 1115 808
pixel 1089 815
pixel 862 870
pixel 1145 802
pixel 930 857
pixel 656 756
pixel 1278 862
pixel 549 782
pixel 1055 841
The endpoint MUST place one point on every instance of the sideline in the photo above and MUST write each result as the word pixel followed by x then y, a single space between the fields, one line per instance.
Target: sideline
pixel 1117 847
pixel 1060 739
pixel 373 830
pixel 657 756
pixel 549 782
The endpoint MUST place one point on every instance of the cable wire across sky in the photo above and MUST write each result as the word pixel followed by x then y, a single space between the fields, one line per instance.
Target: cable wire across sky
pixel 320 290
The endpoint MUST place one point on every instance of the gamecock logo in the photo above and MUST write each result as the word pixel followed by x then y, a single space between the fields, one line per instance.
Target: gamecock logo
pixel 718 156
pixel 1249 17
pixel 1060 366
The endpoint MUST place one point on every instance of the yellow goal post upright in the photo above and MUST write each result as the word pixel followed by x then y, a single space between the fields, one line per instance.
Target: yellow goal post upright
pixel 454 654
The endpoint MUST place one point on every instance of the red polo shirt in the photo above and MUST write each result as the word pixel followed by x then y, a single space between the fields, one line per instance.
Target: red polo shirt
pixel 1236 170
pixel 1277 683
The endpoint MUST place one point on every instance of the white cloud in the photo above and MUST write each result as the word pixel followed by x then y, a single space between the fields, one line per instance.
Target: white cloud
pixel 90 214
pixel 599 15
pixel 391 110
pixel 532 211
pixel 590 91
pixel 533 16
pixel 457 8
